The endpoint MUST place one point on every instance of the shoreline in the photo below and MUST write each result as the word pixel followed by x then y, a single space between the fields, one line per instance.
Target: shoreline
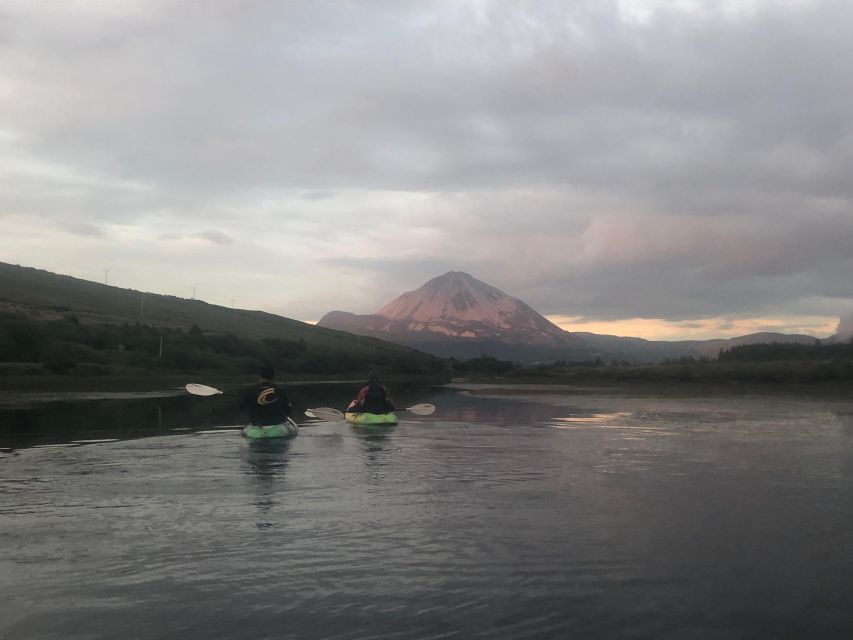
pixel 509 387
pixel 32 387
pixel 12 387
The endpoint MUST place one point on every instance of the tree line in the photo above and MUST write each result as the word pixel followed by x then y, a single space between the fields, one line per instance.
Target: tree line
pixel 771 362
pixel 68 346
pixel 779 352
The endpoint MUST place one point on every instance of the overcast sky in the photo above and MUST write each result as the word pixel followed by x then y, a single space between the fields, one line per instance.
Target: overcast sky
pixel 663 169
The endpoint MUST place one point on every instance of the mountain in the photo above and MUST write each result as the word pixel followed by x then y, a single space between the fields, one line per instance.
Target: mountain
pixel 457 315
pixel 457 304
pixel 641 350
pixel 40 298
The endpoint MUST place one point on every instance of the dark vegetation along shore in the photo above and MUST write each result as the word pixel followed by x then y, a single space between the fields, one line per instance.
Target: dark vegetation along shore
pixel 62 332
pixel 754 363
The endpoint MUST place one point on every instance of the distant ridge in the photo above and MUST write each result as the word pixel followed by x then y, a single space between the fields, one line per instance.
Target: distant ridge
pixel 458 315
pixel 642 350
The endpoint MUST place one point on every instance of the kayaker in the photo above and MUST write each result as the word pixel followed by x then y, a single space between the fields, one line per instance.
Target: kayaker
pixel 372 398
pixel 266 401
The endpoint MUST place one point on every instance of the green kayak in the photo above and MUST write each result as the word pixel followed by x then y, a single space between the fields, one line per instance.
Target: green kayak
pixel 284 430
pixel 372 419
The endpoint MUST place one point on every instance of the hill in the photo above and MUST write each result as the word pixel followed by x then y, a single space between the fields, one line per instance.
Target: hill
pixel 642 350
pixel 44 315
pixel 458 315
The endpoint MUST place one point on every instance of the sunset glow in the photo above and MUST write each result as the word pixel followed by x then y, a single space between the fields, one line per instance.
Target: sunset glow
pixel 622 165
pixel 699 329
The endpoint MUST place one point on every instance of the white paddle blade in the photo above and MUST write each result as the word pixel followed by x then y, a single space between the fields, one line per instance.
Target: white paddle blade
pixel 202 390
pixel 421 409
pixel 326 413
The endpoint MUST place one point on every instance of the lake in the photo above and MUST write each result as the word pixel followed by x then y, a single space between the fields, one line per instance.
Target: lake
pixel 532 514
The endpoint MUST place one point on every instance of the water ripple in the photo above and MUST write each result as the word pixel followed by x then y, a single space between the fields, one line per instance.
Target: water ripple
pixel 636 520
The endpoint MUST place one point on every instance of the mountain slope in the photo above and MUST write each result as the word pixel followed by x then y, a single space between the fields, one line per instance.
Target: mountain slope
pixel 457 304
pixel 44 296
pixel 457 315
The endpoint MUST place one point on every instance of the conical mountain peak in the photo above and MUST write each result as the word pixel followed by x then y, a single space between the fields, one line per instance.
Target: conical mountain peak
pixel 457 314
pixel 458 304
pixel 455 294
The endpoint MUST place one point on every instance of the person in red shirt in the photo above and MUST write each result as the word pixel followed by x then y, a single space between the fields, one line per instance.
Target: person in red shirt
pixel 372 397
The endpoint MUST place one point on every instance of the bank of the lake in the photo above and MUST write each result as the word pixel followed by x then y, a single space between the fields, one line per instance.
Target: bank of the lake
pixel 168 382
pixel 670 388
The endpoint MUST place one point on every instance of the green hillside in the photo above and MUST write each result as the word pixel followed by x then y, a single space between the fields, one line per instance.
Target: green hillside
pixel 51 323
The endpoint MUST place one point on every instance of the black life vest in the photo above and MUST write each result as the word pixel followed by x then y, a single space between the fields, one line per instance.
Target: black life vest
pixel 267 405
pixel 376 400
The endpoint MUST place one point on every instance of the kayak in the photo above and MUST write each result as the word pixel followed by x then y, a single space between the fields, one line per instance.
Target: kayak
pixel 286 429
pixel 372 419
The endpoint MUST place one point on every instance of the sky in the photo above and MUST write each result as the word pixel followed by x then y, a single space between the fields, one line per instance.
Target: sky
pixel 661 169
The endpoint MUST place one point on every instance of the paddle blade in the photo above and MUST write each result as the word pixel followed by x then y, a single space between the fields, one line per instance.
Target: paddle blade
pixel 325 413
pixel 421 409
pixel 202 390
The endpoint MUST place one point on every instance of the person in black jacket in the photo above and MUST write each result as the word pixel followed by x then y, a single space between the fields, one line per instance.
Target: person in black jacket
pixel 372 398
pixel 266 401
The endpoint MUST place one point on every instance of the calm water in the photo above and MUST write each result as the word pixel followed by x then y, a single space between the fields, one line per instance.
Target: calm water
pixel 534 516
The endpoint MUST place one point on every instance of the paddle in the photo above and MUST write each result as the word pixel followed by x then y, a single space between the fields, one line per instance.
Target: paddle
pixel 325 413
pixel 420 409
pixel 202 390
pixel 330 414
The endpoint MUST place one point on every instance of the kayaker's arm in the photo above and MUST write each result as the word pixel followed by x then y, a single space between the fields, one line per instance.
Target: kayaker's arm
pixel 356 405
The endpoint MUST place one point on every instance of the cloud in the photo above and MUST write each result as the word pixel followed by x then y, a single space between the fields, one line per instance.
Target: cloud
pixel 467 98
pixel 192 243
pixel 601 158
pixel 84 230
pixel 844 330
pixel 701 329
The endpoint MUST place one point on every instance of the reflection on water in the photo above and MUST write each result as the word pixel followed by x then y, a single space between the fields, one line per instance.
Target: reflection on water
pixel 546 516
pixel 31 419
pixel 266 458
pixel 377 452
pixel 598 419
pixel 846 421
pixel 267 462
pixel 79 420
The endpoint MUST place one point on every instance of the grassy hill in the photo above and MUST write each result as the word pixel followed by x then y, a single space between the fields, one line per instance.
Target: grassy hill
pixel 66 325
